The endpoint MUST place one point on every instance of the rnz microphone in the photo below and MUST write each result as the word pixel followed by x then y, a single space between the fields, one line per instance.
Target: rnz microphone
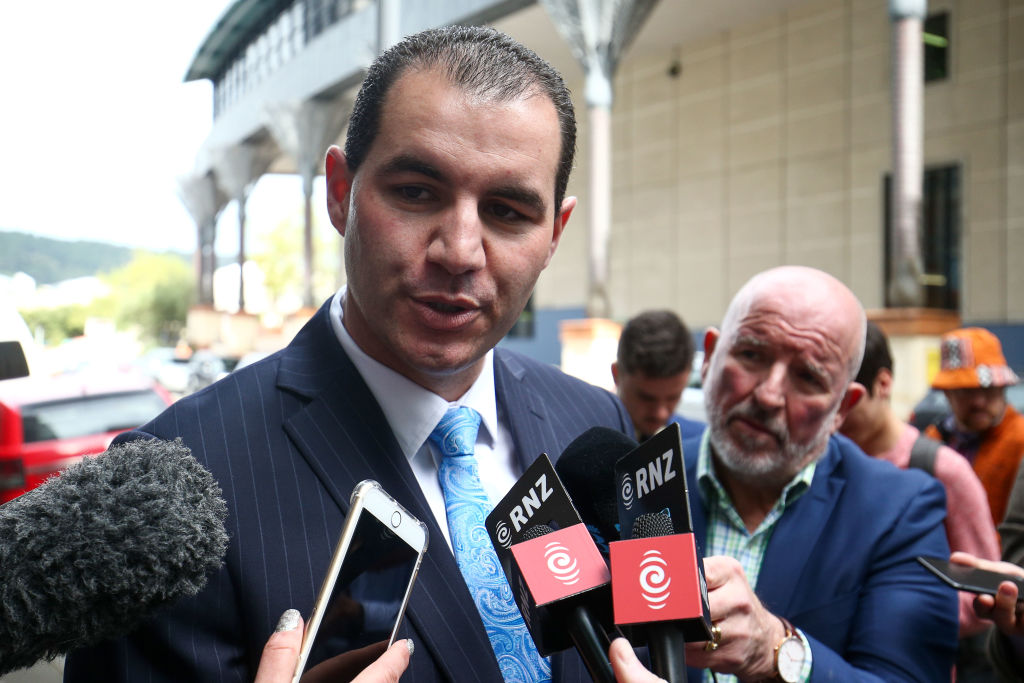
pixel 658 588
pixel 93 551
pixel 559 580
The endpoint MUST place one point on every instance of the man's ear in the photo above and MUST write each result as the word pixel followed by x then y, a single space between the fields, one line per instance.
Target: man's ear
pixel 564 211
pixel 855 391
pixel 615 372
pixel 339 188
pixel 711 336
pixel 883 384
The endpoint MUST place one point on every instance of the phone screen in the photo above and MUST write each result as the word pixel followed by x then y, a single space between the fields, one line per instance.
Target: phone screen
pixel 361 616
pixel 970 579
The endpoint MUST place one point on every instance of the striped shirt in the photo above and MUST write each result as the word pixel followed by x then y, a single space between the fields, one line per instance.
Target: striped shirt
pixel 728 535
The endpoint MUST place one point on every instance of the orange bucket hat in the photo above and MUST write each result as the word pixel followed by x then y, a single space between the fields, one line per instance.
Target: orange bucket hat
pixel 972 358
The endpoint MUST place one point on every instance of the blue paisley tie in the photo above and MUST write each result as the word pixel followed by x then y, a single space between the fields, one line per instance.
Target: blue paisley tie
pixel 466 506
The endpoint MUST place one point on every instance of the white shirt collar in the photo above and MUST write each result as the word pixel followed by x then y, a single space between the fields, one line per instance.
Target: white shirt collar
pixel 412 411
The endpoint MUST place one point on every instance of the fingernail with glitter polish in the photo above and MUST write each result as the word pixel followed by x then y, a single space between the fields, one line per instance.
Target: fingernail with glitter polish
pixel 288 621
pixel 412 646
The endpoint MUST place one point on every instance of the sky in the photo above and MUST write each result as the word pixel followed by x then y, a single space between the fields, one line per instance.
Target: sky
pixel 96 123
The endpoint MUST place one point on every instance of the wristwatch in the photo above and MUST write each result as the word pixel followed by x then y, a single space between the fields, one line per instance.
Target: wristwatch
pixel 789 655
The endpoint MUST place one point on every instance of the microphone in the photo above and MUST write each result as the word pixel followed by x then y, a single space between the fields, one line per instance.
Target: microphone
pixel 587 469
pixel 558 578
pixel 564 551
pixel 93 551
pixel 658 587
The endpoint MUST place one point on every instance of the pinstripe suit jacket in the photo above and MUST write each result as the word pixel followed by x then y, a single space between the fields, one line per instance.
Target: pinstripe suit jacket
pixel 287 439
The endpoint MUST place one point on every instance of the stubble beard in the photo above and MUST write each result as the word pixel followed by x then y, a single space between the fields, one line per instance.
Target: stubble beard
pixel 750 462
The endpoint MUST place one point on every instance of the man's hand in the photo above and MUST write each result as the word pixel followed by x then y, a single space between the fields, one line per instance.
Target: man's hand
pixel 1001 608
pixel 749 632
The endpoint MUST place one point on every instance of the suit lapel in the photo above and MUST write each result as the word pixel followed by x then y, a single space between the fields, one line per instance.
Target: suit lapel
pixel 794 539
pixel 345 437
pixel 523 410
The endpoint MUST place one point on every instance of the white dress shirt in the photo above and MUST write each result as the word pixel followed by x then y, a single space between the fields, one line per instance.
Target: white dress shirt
pixel 413 412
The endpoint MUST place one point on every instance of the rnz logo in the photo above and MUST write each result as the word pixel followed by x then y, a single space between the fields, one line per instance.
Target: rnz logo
pixel 504 536
pixel 654 579
pixel 561 563
pixel 626 491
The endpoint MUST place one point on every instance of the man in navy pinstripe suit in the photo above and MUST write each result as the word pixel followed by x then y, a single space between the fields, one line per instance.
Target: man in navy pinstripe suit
pixel 450 195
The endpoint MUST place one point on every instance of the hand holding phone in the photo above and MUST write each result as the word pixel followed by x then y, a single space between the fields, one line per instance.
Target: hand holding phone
pixel 367 587
pixel 971 579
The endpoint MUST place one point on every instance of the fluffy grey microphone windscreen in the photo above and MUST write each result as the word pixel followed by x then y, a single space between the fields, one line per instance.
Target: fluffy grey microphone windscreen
pixel 92 552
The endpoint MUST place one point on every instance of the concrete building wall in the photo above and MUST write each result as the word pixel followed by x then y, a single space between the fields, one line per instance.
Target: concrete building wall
pixel 770 147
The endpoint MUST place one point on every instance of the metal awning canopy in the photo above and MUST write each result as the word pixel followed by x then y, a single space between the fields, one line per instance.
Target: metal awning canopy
pixel 231 33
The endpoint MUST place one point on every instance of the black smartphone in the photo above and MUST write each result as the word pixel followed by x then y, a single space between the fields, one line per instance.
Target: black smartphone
pixel 366 589
pixel 970 579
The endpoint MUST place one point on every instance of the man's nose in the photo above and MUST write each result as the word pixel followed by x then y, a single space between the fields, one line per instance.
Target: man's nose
pixel 457 242
pixel 771 389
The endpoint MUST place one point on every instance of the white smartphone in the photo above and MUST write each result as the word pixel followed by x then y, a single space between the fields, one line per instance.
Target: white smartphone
pixel 366 590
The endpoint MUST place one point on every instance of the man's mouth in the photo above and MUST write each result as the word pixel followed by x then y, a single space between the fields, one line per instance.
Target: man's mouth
pixel 442 307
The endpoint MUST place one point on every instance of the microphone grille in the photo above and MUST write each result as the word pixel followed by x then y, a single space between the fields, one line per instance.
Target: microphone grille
pixel 536 532
pixel 653 524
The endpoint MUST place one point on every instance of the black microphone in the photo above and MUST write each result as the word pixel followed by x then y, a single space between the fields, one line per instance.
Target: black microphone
pixel 581 620
pixel 558 578
pixel 665 640
pixel 587 469
pixel 93 551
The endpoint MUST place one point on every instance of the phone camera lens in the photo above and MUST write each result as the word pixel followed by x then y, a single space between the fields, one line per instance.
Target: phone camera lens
pixel 396 518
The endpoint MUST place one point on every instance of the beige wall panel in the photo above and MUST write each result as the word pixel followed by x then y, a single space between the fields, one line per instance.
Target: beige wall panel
pixel 825 131
pixel 755 31
pixel 754 57
pixel 756 187
pixel 755 101
pixel 868 167
pixel 1015 35
pixel 701 298
pixel 869 26
pixel 702 119
pixel 869 121
pixel 866 218
pixel 755 144
pixel 1015 146
pixel 867 270
pixel 1015 91
pixel 702 236
pixel 980 44
pixel 939 107
pixel 984 280
pixel 816 221
pixel 985 201
pixel 813 176
pixel 701 73
pixel 651 83
pixel 1015 273
pixel 815 35
pixel 707 156
pixel 971 11
pixel 827 257
pixel 654 212
pixel 742 267
pixel 979 99
pixel 755 230
pixel 700 195
pixel 817 88
pixel 869 73
pixel 1015 196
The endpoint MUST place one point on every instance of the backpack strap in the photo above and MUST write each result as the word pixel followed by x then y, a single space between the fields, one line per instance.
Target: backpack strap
pixel 922 454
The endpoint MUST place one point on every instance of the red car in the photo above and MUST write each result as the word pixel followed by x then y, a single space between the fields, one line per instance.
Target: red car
pixel 48 423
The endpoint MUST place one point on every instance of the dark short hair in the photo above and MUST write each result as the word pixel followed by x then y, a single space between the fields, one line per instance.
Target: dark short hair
pixel 478 59
pixel 876 356
pixel 656 344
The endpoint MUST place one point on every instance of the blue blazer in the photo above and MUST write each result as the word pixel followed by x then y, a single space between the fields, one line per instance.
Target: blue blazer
pixel 841 567
pixel 287 439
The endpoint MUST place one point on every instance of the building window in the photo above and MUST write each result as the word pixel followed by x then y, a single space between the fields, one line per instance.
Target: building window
pixel 936 47
pixel 940 236
pixel 524 327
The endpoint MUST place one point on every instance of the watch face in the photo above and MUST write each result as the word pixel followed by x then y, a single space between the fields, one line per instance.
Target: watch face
pixel 790 659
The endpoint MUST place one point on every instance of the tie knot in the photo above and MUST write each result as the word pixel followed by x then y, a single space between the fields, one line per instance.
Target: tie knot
pixel 456 433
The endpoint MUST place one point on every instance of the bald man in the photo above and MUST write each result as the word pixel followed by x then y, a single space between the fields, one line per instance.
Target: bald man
pixel 810 544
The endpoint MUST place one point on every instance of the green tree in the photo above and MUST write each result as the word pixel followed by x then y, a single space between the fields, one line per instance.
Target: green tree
pixel 152 292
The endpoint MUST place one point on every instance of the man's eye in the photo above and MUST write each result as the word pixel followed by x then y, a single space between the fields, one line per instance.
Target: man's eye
pixel 414 193
pixel 505 212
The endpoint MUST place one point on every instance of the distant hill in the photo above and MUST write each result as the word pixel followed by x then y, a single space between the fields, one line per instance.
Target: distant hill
pixel 51 260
